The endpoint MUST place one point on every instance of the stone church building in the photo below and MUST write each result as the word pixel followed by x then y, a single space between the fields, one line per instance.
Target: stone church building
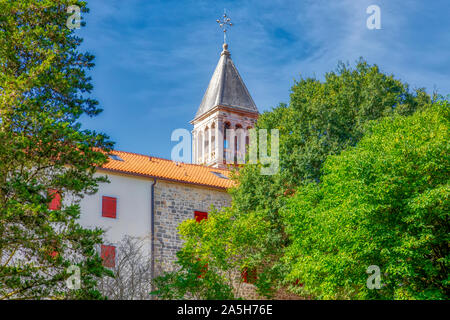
pixel 148 197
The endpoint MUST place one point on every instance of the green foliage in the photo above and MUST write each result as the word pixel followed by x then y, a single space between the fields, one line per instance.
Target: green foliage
pixel 322 119
pixel 43 92
pixel 384 202
pixel 215 243
pixel 193 281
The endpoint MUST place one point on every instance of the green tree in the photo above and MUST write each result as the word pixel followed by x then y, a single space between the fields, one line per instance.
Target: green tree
pixel 384 202
pixel 207 268
pixel 323 118
pixel 44 90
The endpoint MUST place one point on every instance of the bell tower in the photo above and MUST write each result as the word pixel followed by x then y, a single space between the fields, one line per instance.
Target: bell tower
pixel 224 117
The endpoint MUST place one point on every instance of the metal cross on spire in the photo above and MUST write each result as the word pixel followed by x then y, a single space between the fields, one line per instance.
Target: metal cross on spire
pixel 225 23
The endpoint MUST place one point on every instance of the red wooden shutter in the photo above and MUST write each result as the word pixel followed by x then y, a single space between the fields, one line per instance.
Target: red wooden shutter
pixel 55 204
pixel 297 283
pixel 53 249
pixel 249 275
pixel 108 255
pixel 109 207
pixel 203 270
pixel 244 275
pixel 199 216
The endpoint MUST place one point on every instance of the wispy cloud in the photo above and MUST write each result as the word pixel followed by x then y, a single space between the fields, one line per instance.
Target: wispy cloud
pixel 155 58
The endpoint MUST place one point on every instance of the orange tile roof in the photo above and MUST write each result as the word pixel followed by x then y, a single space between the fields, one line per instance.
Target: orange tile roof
pixel 152 167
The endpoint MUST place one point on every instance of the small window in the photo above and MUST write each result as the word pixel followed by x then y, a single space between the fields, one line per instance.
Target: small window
pixel 55 204
pixel 249 275
pixel 220 175
pixel 115 157
pixel 53 250
pixel 297 283
pixel 108 256
pixel 109 207
pixel 203 271
pixel 199 216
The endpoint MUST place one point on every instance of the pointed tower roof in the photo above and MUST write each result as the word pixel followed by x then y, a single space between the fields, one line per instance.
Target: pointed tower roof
pixel 226 88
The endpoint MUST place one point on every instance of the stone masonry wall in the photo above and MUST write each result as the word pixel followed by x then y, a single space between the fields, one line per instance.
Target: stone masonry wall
pixel 175 203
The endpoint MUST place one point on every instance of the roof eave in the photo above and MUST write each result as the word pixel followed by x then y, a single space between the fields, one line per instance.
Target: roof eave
pixel 235 109
pixel 162 178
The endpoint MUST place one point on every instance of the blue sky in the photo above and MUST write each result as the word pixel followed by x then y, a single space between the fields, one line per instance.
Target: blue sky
pixel 154 59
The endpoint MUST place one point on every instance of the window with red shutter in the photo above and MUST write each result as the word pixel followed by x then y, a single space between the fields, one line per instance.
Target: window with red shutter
pixel 249 275
pixel 109 207
pixel 297 283
pixel 203 271
pixel 199 216
pixel 55 204
pixel 52 251
pixel 108 254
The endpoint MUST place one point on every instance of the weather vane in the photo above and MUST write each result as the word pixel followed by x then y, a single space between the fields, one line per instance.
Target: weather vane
pixel 225 23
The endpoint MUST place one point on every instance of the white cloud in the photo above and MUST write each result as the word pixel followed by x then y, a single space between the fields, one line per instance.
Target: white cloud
pixel 172 47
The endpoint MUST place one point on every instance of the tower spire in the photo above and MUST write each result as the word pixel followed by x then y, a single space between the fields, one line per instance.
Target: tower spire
pixel 226 105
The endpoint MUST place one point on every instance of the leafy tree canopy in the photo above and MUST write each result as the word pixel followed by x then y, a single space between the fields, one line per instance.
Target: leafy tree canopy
pixel 384 202
pixel 207 265
pixel 322 119
pixel 44 90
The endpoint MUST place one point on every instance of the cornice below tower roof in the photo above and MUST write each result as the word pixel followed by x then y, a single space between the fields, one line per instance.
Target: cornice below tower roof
pixel 226 88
